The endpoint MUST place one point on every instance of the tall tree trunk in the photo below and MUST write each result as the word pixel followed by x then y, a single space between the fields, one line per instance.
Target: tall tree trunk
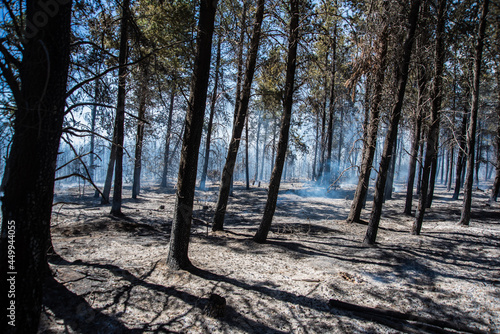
pixel 450 168
pixel 186 181
pixel 93 117
pixel 116 205
pixel 256 176
pixel 274 184
pixel 324 139
pixel 136 184
pixel 213 102
pixel 496 183
pixel 266 125
pixel 232 152
pixel 313 174
pixel 40 96
pixel 370 140
pixel 168 138
pixel 415 142
pixel 478 153
pixel 460 155
pixel 471 133
pixel 247 171
pixel 331 110
pixel 392 130
pixel 436 98
pixel 239 76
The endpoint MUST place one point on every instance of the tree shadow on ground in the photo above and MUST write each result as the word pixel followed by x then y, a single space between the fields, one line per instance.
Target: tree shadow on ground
pixel 76 312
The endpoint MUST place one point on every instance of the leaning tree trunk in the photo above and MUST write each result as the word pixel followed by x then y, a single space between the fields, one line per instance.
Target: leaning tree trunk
pixel 186 181
pixel 370 141
pixel 227 172
pixel 274 184
pixel 168 138
pixel 40 96
pixel 213 102
pixel 116 205
pixel 471 133
pixel 109 173
pixel 392 130
pixel 435 108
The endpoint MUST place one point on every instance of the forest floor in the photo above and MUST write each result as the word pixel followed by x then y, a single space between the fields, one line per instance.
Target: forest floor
pixel 110 274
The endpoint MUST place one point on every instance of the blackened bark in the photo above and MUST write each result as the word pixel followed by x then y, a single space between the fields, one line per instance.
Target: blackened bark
pixel 331 111
pixel 234 144
pixel 109 173
pixel 186 181
pixel 116 205
pixel 370 140
pixel 40 98
pixel 141 115
pixel 461 155
pixel 93 117
pixel 392 130
pixel 415 142
pixel 213 102
pixel 390 173
pixel 436 98
pixel 168 138
pixel 471 133
pixel 274 184
pixel 256 176
pixel 451 163
pixel 247 171
pixel 496 183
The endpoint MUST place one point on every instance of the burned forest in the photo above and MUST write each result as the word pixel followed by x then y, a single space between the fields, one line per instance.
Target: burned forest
pixel 215 166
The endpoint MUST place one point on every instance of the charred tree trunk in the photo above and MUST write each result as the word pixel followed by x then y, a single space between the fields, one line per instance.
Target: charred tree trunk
pixel 274 184
pixel 116 205
pixel 186 181
pixel 227 172
pixel 436 98
pixel 392 130
pixel 247 170
pixel 136 185
pixel 213 102
pixel 109 173
pixel 496 183
pixel 471 133
pixel 370 140
pixel 460 156
pixel 450 168
pixel 93 117
pixel 257 151
pixel 415 142
pixel 390 173
pixel 39 93
pixel 266 125
pixel 168 138
pixel 239 77
pixel 331 111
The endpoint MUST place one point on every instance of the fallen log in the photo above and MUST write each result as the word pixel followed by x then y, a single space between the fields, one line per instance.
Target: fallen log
pixel 425 323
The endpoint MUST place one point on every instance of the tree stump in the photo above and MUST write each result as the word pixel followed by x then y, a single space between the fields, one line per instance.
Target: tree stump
pixel 216 306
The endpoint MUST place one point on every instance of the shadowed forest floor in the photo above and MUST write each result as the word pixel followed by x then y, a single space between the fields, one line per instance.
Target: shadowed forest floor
pixel 110 274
